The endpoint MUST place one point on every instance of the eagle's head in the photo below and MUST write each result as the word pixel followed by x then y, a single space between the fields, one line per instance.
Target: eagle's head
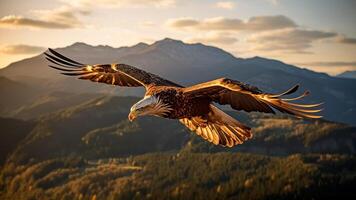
pixel 149 105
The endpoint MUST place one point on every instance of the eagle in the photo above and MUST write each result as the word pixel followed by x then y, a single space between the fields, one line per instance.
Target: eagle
pixel 193 106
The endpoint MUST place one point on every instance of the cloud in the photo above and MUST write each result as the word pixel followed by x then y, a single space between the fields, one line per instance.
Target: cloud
pixel 346 40
pixel 259 23
pixel 275 34
pixel 270 22
pixel 67 16
pixel 228 5
pixel 215 38
pixel 291 40
pixel 18 21
pixel 21 49
pixel 182 22
pixel 63 14
pixel 120 3
pixel 61 18
pixel 274 2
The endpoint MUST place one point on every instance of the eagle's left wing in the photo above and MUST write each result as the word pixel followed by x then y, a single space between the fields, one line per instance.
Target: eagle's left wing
pixel 114 74
pixel 244 97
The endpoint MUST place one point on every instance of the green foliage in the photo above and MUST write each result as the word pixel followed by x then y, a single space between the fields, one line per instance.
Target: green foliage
pixel 186 176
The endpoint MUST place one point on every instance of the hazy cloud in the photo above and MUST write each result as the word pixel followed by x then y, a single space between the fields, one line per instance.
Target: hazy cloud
pixel 61 18
pixel 288 40
pixel 21 49
pixel 329 64
pixel 346 40
pixel 331 67
pixel 120 3
pixel 183 22
pixel 270 22
pixel 274 2
pixel 234 24
pixel 215 38
pixel 64 14
pixel 17 21
pixel 228 5
pixel 278 34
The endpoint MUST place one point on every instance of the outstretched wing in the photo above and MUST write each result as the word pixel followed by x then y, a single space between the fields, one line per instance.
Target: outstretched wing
pixel 114 74
pixel 248 98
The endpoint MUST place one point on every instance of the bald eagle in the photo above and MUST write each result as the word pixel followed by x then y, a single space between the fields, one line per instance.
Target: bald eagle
pixel 193 106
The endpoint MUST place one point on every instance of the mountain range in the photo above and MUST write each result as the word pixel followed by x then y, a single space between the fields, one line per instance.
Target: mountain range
pixel 185 64
pixel 63 138
pixel 98 127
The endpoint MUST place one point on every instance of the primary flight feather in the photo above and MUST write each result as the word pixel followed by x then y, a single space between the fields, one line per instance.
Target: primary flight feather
pixel 192 106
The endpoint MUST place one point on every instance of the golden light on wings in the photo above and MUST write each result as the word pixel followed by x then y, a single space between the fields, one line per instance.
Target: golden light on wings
pixel 115 74
pixel 244 97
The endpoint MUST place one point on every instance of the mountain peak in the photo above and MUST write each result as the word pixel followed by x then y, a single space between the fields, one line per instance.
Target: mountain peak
pixel 169 41
pixel 141 44
pixel 347 74
pixel 80 44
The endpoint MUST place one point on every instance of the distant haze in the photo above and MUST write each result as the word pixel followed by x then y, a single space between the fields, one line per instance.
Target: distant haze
pixel 291 31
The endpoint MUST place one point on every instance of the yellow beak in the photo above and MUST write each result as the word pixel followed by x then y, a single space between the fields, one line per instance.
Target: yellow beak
pixel 132 116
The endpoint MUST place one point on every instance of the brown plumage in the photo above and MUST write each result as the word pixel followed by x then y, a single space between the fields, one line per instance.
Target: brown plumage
pixel 192 106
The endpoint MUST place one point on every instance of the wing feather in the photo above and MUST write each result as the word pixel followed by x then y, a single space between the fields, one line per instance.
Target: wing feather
pixel 114 74
pixel 248 98
pixel 218 128
pixel 64 58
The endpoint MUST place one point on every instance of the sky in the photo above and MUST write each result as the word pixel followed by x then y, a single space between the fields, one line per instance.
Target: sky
pixel 316 34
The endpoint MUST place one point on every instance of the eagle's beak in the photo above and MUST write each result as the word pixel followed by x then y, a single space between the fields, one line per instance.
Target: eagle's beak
pixel 132 116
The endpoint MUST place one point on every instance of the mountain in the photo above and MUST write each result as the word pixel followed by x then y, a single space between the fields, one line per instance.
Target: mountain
pixel 347 74
pixel 190 64
pixel 99 128
pixel 80 145
pixel 15 94
pixel 12 131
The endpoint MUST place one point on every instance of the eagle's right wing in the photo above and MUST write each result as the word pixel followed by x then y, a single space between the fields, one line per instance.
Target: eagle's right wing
pixel 115 74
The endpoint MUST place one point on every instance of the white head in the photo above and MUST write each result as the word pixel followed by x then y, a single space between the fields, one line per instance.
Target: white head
pixel 149 105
